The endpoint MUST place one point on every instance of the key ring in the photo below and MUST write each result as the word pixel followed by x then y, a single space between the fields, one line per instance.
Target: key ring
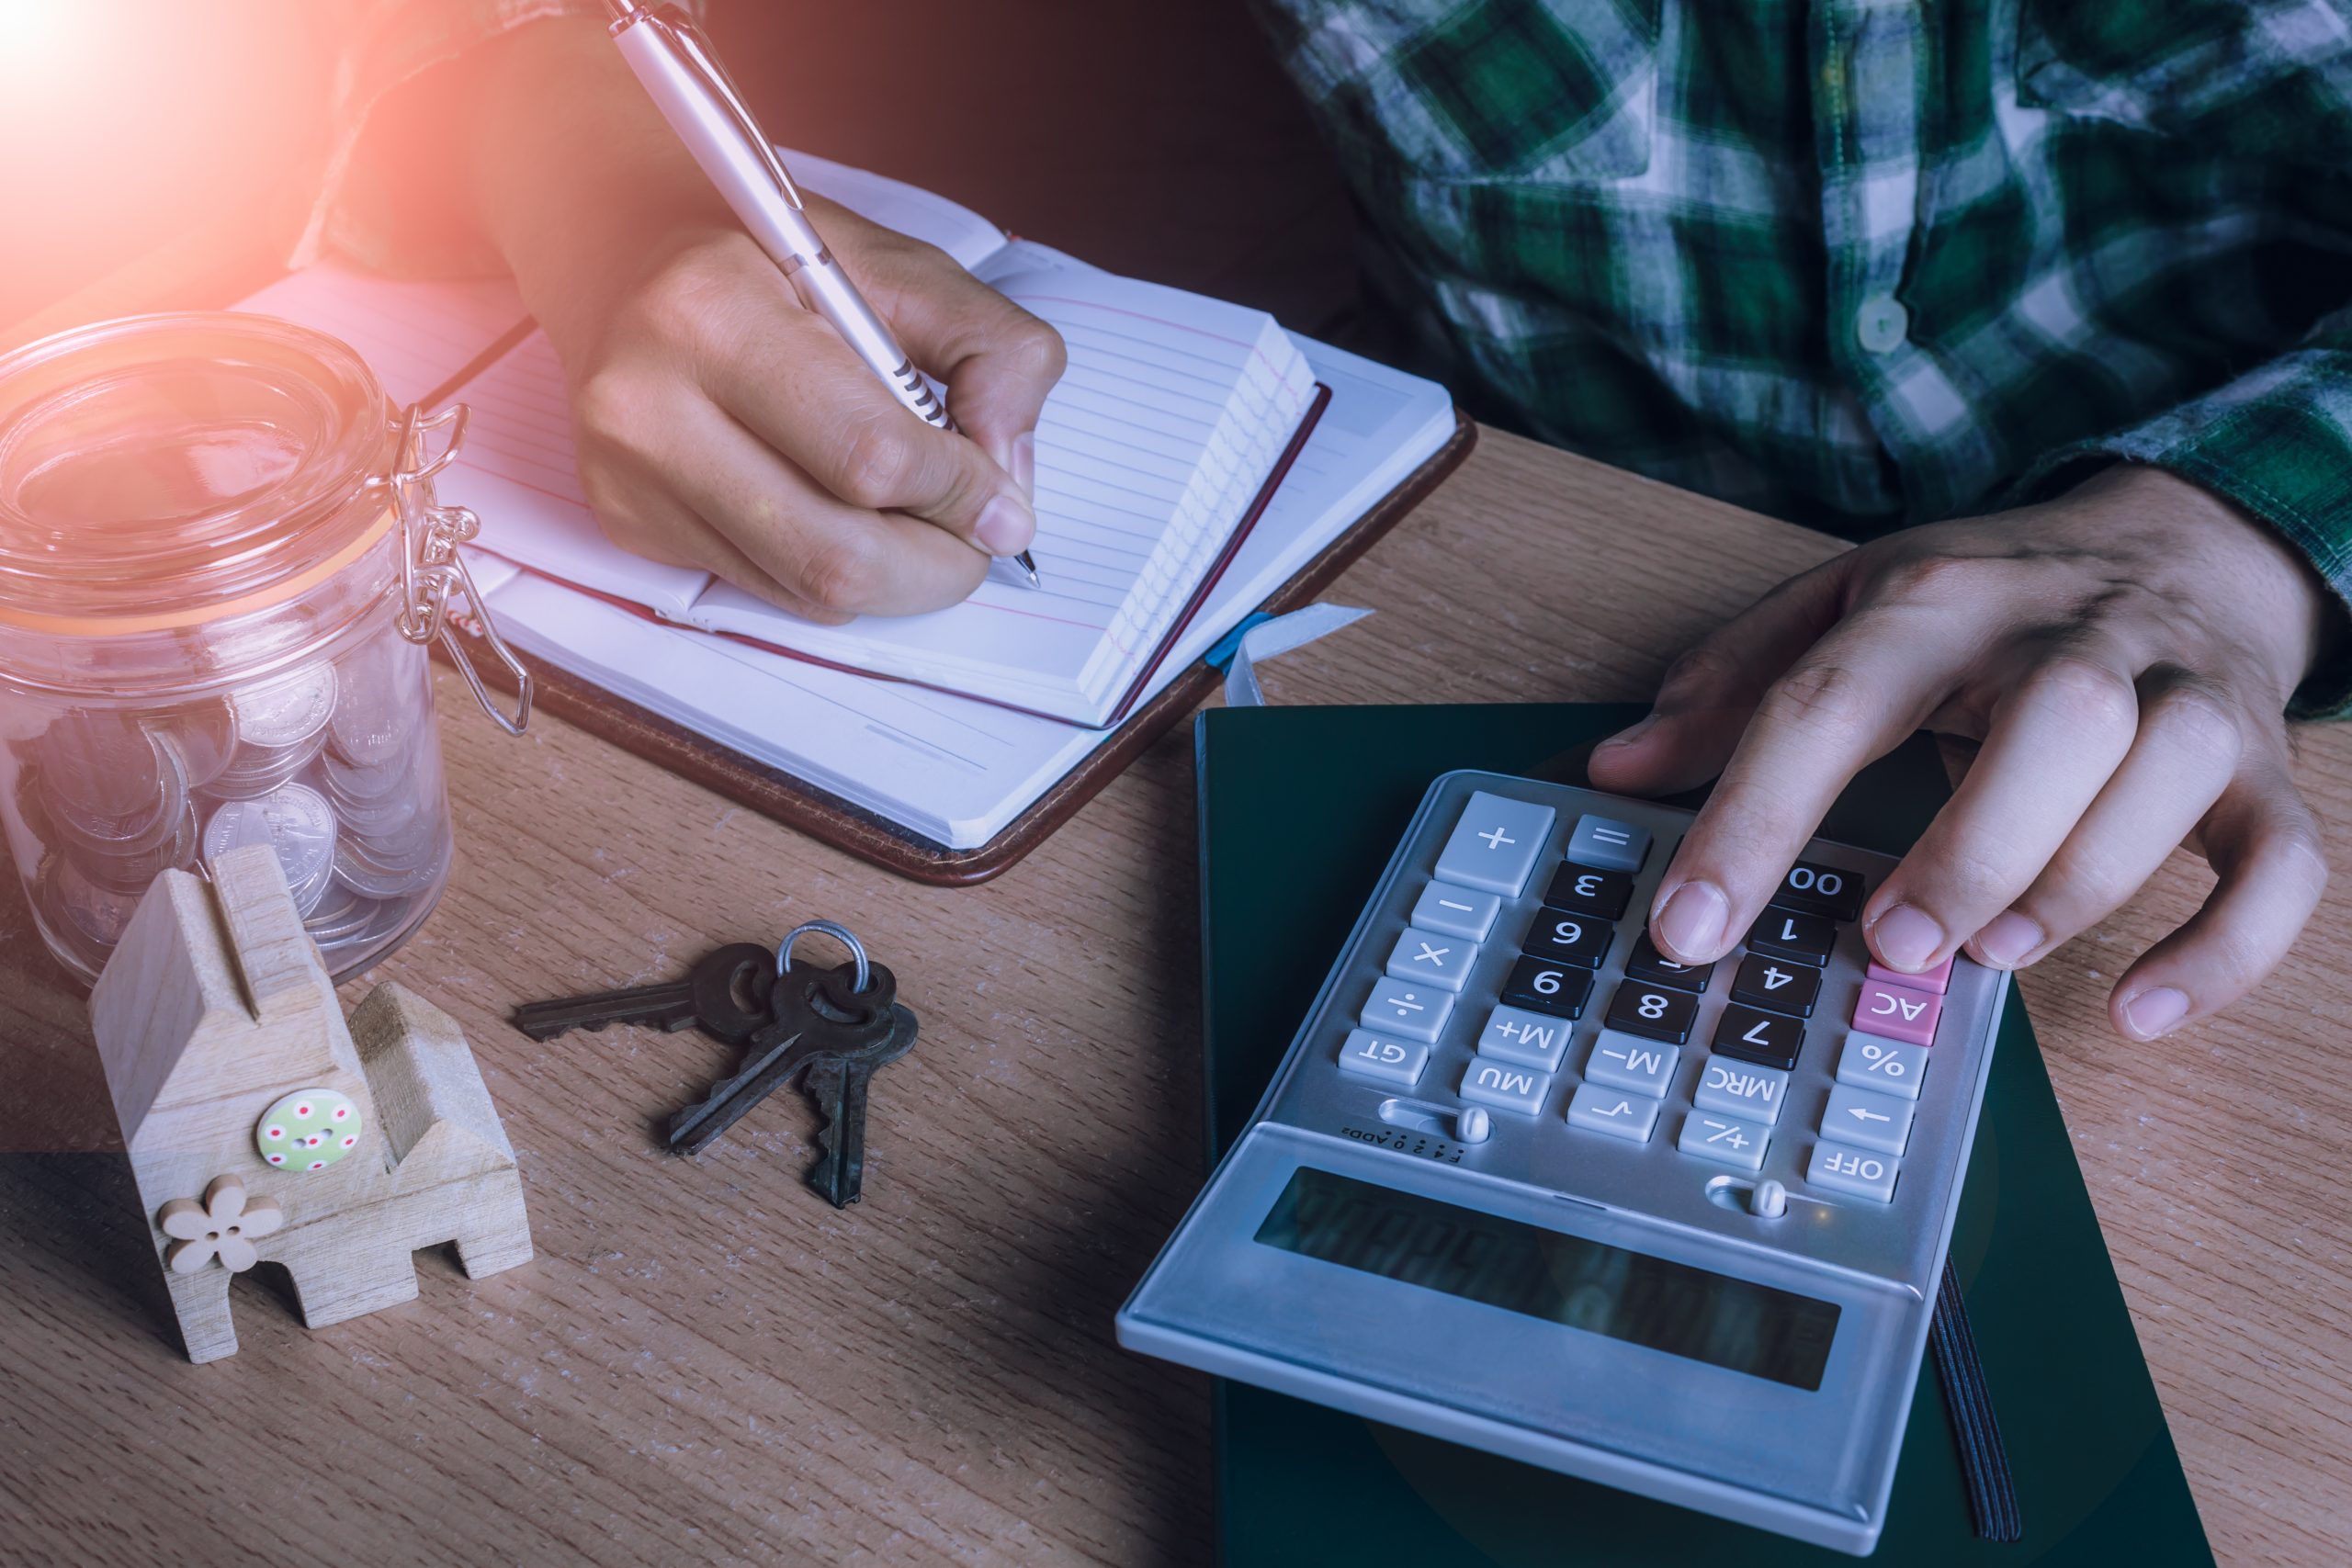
pixel 843 933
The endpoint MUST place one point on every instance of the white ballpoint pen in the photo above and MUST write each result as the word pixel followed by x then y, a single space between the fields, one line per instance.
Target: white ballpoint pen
pixel 677 68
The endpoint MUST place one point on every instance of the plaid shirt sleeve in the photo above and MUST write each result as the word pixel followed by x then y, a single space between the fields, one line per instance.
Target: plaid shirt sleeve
pixel 1865 265
pixel 367 207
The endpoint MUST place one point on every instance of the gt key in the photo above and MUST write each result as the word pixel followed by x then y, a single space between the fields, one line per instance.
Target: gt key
pixel 725 996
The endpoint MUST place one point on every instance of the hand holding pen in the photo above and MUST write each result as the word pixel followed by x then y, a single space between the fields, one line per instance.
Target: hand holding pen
pixel 718 422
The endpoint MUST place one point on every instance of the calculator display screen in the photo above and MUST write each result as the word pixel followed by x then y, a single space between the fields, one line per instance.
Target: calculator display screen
pixel 1567 1279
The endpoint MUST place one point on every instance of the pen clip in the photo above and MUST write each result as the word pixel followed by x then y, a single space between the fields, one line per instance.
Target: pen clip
pixel 684 40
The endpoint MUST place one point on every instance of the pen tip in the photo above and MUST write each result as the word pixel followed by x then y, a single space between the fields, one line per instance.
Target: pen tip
pixel 1028 563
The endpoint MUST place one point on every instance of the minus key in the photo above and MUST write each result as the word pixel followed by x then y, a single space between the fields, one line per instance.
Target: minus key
pixel 1456 911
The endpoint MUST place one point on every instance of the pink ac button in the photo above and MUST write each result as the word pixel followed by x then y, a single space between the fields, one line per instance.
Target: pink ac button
pixel 1897 1012
pixel 1938 979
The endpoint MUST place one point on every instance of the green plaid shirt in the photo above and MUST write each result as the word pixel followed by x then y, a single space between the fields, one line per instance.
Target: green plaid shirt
pixel 1866 265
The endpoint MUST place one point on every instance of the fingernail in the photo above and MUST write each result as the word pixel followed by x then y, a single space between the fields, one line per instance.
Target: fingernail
pixel 1005 527
pixel 1907 939
pixel 2006 941
pixel 1025 463
pixel 1691 925
pixel 1631 733
pixel 2151 1012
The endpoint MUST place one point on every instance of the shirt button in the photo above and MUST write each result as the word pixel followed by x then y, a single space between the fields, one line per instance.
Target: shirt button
pixel 1880 323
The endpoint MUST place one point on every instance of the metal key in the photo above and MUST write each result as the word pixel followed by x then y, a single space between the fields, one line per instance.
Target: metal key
pixel 838 1085
pixel 812 1013
pixel 711 998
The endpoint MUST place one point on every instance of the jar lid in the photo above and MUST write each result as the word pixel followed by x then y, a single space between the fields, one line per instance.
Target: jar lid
pixel 166 470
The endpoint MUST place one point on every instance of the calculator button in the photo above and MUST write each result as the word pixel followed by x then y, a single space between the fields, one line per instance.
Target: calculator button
pixel 1801 939
pixel 1863 1174
pixel 1891 1066
pixel 1652 1011
pixel 1432 957
pixel 1724 1138
pixel 1608 843
pixel 1581 890
pixel 1648 963
pixel 1777 987
pixel 1495 844
pixel 1456 911
pixel 1417 1012
pixel 1620 1060
pixel 1367 1056
pixel 1621 1115
pixel 1765 1038
pixel 1815 889
pixel 1545 987
pixel 1897 1011
pixel 1741 1089
pixel 1866 1120
pixel 1527 1039
pixel 1938 979
pixel 1569 938
pixel 1506 1087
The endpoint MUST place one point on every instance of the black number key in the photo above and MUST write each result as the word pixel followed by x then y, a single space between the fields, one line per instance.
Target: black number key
pixel 1648 963
pixel 1766 1039
pixel 1580 890
pixel 1568 939
pixel 726 996
pixel 838 1085
pixel 1653 1012
pixel 1799 939
pixel 1541 985
pixel 1782 988
pixel 812 1013
pixel 1812 889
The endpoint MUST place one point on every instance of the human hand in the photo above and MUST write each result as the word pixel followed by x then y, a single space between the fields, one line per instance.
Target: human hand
pixel 2124 653
pixel 719 423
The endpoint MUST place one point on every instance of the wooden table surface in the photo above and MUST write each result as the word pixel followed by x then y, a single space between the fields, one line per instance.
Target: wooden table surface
pixel 705 1362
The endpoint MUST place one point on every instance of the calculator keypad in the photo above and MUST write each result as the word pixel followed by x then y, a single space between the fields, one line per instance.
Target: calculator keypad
pixel 1519 919
pixel 1652 1011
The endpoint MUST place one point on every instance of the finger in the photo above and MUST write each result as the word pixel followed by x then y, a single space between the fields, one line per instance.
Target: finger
pixel 793 381
pixel 842 556
pixel 2054 741
pixel 2265 850
pixel 1861 688
pixel 998 361
pixel 2182 758
pixel 654 525
pixel 1704 702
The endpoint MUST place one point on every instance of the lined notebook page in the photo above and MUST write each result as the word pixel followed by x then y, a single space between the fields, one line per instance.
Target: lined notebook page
pixel 1173 412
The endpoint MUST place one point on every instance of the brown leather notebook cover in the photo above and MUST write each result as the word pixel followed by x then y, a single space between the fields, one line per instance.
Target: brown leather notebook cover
pixel 823 815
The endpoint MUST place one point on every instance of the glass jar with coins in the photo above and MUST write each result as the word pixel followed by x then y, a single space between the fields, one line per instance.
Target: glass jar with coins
pixel 223 563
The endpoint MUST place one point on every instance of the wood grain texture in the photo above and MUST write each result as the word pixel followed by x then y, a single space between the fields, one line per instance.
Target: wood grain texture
pixel 706 1362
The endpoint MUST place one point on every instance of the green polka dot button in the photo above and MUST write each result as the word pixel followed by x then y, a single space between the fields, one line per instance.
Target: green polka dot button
pixel 309 1130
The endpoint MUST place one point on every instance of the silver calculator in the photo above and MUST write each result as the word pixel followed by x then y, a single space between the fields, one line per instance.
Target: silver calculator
pixel 1524 1184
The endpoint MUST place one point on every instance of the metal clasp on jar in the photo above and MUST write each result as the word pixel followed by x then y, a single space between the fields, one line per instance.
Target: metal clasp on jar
pixel 437 593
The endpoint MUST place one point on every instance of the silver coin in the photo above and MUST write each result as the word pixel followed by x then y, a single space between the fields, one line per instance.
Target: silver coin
pixel 203 734
pixel 104 772
pixel 102 914
pixel 254 772
pixel 293 818
pixel 364 783
pixel 132 833
pixel 357 871
pixel 132 872
pixel 340 916
pixel 382 703
pixel 287 711
pixel 80 949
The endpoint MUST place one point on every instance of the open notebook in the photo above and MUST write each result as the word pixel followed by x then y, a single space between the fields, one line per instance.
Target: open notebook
pixel 949 771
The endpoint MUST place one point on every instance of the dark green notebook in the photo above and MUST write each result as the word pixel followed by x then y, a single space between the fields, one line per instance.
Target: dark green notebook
pixel 1300 809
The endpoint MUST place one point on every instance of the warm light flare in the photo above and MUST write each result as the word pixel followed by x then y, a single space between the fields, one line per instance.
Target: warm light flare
pixel 28 31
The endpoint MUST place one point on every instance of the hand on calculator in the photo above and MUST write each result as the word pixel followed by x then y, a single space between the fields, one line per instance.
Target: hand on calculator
pixel 2125 654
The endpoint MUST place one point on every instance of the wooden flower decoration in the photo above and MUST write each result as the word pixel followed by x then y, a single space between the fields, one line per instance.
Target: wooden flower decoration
pixel 223 1226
